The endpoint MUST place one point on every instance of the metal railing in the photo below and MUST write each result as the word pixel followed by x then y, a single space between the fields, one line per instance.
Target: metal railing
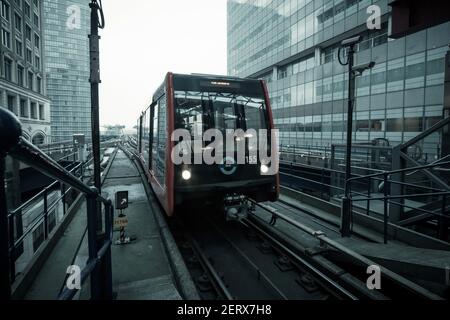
pixel 50 206
pixel 100 230
pixel 391 200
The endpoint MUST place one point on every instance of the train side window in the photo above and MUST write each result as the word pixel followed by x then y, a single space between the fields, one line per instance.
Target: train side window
pixel 160 170
pixel 155 137
pixel 146 136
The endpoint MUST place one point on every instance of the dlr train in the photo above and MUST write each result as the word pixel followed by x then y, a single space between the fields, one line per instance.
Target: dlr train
pixel 195 104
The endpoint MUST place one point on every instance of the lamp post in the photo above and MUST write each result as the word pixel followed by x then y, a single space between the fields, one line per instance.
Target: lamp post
pixel 353 72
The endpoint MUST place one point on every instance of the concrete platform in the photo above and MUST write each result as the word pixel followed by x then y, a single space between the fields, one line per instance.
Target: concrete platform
pixel 415 263
pixel 418 263
pixel 142 270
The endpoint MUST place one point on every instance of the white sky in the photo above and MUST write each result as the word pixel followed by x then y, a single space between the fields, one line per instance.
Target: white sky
pixel 144 39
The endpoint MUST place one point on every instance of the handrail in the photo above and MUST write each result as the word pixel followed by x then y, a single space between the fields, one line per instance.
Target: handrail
pixel 40 194
pixel 430 166
pixel 32 156
pixel 425 134
pixel 387 197
pixel 355 175
pixel 99 263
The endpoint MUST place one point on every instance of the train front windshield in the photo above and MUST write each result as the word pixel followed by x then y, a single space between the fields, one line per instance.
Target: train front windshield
pixel 201 111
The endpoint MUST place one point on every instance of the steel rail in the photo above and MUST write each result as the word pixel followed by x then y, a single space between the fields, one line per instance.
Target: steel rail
pixel 218 283
pixel 301 263
pixel 319 235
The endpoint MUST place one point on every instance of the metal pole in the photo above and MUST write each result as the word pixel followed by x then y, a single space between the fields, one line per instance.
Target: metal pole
pixel 12 252
pixel 94 45
pixel 105 264
pixel 10 132
pixel 385 208
pixel 94 42
pixel 346 207
pixel 92 207
pixel 351 99
pixel 5 281
pixel 443 220
pixel 46 214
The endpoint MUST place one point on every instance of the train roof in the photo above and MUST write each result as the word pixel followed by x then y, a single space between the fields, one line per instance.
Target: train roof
pixel 213 83
pixel 217 83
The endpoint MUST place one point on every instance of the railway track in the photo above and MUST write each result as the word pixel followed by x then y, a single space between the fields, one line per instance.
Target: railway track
pixel 342 265
pixel 239 260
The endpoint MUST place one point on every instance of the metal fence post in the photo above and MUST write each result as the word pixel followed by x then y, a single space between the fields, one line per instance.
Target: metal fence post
pixel 63 191
pixel 5 281
pixel 443 220
pixel 346 211
pixel 10 132
pixel 385 209
pixel 91 203
pixel 45 214
pixel 12 252
pixel 369 194
pixel 105 264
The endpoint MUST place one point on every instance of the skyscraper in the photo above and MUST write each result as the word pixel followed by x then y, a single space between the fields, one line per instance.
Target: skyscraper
pixel 66 28
pixel 22 81
pixel 294 45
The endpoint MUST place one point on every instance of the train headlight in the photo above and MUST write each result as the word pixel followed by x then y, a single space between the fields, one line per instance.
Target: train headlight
pixel 187 175
pixel 264 169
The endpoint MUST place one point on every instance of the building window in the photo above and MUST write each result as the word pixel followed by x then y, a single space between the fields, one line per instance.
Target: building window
pixel 19 3
pixel 329 54
pixel 38 139
pixel 28 32
pixel 39 85
pixel 36 20
pixel 19 48
pixel 18 22
pixel 23 108
pixel 33 111
pixel 27 9
pixel 41 112
pixel 29 56
pixel 6 38
pixel 394 125
pixel 30 80
pixel 20 80
pixel 282 72
pixel 37 41
pixel 12 104
pixel 37 62
pixel 8 69
pixel 5 10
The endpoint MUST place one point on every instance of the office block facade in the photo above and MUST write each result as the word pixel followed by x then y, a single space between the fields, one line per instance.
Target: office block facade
pixel 66 24
pixel 22 78
pixel 294 45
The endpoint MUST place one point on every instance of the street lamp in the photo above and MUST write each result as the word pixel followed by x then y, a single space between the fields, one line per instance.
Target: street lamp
pixel 353 72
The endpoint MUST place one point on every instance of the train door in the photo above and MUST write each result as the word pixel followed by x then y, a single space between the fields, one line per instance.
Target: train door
pixel 151 112
pixel 139 134
pixel 159 140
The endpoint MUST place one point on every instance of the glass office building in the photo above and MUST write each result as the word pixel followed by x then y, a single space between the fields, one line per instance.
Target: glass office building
pixel 294 46
pixel 66 29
